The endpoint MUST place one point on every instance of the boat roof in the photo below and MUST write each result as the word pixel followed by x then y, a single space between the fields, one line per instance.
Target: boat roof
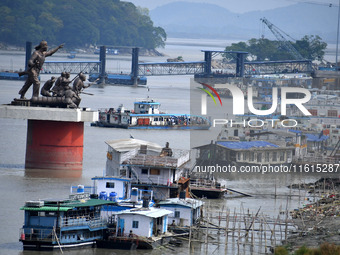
pixel 150 212
pixel 187 202
pixel 123 145
pixel 116 178
pixel 67 205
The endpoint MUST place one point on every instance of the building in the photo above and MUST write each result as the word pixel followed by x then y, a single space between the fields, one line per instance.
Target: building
pixel 185 211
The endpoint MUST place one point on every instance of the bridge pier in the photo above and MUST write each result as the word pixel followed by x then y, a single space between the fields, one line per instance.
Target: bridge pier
pixel 54 135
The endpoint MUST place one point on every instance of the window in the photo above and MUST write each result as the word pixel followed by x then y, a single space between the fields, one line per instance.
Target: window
pixel 239 156
pixel 156 119
pixel 332 113
pixel 177 214
pixel 314 112
pixel 155 172
pixel 110 185
pixel 252 156
pixel 135 224
pixel 259 157
pixel 145 171
pixel 244 156
pixel 274 156
pixel 282 155
pixel 267 157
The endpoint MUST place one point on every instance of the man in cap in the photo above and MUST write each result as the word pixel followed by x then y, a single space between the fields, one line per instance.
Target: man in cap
pixel 34 66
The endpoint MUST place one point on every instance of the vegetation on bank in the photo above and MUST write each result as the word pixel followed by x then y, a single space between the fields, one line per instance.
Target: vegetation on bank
pixel 324 249
pixel 310 47
pixel 78 23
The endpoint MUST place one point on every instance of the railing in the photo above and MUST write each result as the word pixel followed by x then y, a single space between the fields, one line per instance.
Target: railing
pixel 36 234
pixel 82 221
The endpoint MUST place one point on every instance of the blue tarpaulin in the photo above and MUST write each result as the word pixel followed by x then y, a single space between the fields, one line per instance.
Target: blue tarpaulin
pixel 247 145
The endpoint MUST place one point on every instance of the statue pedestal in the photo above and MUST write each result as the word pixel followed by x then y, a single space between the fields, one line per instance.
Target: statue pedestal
pixel 55 145
pixel 54 135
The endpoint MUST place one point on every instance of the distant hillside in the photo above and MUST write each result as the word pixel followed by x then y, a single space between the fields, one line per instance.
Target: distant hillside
pixel 78 23
pixel 185 19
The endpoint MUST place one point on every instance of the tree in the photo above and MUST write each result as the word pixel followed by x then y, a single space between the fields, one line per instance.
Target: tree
pixel 310 47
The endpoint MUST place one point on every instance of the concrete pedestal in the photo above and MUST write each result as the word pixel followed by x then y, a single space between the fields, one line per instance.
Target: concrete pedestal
pixel 54 145
pixel 55 136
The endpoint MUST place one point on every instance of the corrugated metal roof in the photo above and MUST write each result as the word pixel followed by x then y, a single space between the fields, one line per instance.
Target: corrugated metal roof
pixel 148 212
pixel 187 202
pixel 130 144
pixel 46 208
pixel 247 145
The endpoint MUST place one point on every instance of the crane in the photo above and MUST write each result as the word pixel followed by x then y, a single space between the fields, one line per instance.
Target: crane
pixel 285 43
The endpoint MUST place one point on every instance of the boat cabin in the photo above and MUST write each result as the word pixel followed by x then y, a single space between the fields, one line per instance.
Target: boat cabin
pixel 185 211
pixel 70 223
pixel 146 106
pixel 145 222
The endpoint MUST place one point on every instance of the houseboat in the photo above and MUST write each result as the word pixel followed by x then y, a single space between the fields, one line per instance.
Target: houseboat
pixel 138 228
pixel 58 224
pixel 186 212
pixel 147 115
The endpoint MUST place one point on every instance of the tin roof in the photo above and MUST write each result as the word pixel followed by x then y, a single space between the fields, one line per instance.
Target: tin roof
pixel 130 144
pixel 187 202
pixel 67 205
pixel 150 212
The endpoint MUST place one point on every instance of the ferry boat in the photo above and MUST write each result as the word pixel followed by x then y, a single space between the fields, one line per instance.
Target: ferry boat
pixel 147 115
pixel 59 224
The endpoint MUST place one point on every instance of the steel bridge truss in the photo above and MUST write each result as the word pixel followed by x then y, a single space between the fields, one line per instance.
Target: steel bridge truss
pixel 57 67
pixel 278 67
pixel 171 68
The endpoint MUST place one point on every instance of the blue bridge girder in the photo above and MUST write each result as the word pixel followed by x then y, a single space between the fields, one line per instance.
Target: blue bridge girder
pixel 171 68
pixel 74 67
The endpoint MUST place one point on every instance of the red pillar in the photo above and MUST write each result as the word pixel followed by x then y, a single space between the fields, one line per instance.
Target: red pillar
pixel 54 145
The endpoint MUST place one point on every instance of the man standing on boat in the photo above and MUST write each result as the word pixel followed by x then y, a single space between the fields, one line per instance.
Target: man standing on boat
pixel 34 66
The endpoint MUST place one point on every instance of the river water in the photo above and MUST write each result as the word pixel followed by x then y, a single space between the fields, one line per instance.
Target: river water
pixel 18 185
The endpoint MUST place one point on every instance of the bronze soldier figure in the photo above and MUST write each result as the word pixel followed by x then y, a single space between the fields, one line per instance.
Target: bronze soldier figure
pixel 78 84
pixel 35 64
pixel 46 89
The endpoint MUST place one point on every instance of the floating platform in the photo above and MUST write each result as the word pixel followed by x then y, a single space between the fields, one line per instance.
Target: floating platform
pixel 12 76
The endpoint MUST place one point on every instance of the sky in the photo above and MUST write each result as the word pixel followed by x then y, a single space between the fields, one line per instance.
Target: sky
pixel 237 6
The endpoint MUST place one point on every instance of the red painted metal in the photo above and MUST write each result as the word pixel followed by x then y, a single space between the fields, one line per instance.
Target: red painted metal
pixel 55 145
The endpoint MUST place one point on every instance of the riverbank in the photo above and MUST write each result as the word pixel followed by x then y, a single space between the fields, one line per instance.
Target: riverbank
pixel 318 222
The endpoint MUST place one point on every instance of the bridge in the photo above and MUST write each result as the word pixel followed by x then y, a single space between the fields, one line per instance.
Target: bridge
pixel 200 69
pixel 56 67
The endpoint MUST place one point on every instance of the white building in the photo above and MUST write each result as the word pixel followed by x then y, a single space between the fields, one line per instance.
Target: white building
pixel 146 222
pixel 149 166
pixel 111 184
pixel 185 211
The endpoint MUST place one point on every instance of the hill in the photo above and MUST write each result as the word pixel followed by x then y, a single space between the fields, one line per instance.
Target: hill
pixel 78 23
pixel 186 19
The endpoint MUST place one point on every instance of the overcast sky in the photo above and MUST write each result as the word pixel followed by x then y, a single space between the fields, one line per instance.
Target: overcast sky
pixel 237 6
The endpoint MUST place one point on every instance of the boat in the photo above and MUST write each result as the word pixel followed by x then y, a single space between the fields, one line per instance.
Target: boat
pixel 72 54
pixel 205 188
pixel 138 228
pixel 147 115
pixel 68 223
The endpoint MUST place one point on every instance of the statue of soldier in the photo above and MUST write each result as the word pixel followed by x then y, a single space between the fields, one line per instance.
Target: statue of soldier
pixel 46 89
pixel 78 84
pixel 56 87
pixel 71 98
pixel 34 66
